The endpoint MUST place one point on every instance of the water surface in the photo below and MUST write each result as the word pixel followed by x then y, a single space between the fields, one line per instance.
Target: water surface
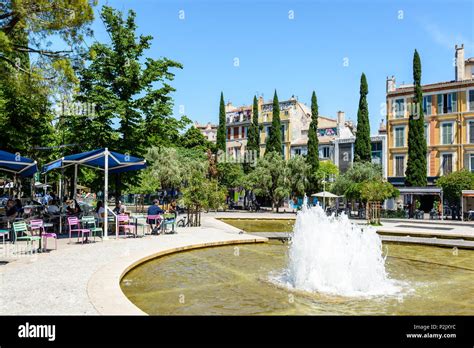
pixel 237 280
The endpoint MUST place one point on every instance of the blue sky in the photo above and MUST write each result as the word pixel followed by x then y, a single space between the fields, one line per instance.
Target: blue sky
pixel 302 54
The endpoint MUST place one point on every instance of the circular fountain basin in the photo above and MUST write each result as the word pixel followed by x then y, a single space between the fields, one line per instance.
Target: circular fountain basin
pixel 240 280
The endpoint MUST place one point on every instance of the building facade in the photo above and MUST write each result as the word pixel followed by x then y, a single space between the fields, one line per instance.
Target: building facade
pixel 344 151
pixel 294 116
pixel 336 135
pixel 295 120
pixel 449 123
pixel 209 130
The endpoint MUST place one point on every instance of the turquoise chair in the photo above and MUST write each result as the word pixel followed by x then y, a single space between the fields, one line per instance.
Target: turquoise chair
pixel 89 223
pixel 21 227
pixel 168 220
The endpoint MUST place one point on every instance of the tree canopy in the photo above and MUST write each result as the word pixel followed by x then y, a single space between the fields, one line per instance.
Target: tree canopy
pixel 453 184
pixel 362 146
pixel 415 174
pixel 350 183
pixel 221 128
pixel 274 142
pixel 313 145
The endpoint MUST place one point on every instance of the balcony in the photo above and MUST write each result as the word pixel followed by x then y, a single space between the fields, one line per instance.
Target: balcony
pixel 238 117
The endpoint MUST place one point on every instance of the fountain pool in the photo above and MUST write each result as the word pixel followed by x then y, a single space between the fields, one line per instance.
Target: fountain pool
pixel 331 267
pixel 238 280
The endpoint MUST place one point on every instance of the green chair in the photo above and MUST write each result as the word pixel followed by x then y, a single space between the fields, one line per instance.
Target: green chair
pixel 168 220
pixel 89 223
pixel 21 227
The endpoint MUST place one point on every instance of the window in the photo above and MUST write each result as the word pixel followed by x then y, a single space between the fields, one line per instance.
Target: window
pixel 427 102
pixel 399 108
pixel 267 131
pixel 376 152
pixel 428 163
pixel 399 165
pixel 446 133
pixel 426 133
pixel 236 132
pixel 399 136
pixel 470 132
pixel 244 132
pixel 298 152
pixel 447 163
pixel 229 132
pixel 471 162
pixel 283 132
pixel 471 100
pixel 452 102
pixel 447 103
pixel 324 152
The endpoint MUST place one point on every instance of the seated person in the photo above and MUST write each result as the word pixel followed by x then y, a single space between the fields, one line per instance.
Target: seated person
pixel 52 207
pixel 173 209
pixel 73 208
pixel 154 210
pixel 100 211
pixel 11 210
pixel 19 206
pixel 119 208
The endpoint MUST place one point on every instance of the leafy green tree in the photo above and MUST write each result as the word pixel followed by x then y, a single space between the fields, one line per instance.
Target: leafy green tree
pixel 201 194
pixel 126 88
pixel 221 129
pixel 274 143
pixel 313 145
pixel 349 183
pixel 230 175
pixel 327 170
pixel 270 179
pixel 453 184
pixel 362 147
pixel 25 109
pixel 194 139
pixel 42 20
pixel 176 173
pixel 415 174
pixel 253 138
pixel 374 192
pixel 378 190
pixel 298 171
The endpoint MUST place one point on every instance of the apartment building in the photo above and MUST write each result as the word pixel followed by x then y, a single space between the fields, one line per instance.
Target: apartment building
pixel 449 123
pixel 209 130
pixel 294 115
pixel 295 120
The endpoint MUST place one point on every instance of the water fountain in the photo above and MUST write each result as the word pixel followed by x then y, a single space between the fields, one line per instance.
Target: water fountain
pixel 331 267
pixel 330 254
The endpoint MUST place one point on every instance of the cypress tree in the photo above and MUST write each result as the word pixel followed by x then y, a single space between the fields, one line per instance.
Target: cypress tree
pixel 313 143
pixel 221 129
pixel 253 141
pixel 416 167
pixel 274 143
pixel 362 147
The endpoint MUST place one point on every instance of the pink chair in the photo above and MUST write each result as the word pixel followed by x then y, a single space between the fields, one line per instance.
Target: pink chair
pixel 38 225
pixel 124 223
pixel 73 221
pixel 154 219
